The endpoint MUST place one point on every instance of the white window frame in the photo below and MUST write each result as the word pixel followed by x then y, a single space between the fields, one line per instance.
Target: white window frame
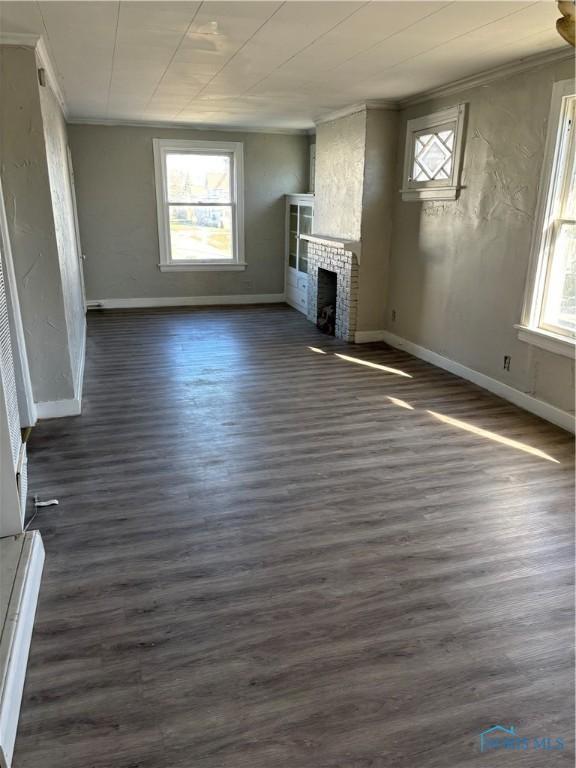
pixel 234 149
pixel 552 178
pixel 451 118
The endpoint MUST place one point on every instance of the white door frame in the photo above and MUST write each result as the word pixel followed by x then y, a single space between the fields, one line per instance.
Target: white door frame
pixel 26 404
pixel 81 256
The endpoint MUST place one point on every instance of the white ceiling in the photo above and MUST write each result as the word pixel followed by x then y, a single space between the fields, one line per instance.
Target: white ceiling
pixel 270 64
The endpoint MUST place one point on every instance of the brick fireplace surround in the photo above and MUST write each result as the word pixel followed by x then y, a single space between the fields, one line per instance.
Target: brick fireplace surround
pixel 337 256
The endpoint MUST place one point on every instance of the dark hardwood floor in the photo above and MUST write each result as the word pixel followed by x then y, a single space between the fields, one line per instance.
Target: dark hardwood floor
pixel 268 557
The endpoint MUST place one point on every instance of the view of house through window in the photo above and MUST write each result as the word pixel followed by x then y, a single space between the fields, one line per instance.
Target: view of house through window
pixel 200 204
pixel 199 193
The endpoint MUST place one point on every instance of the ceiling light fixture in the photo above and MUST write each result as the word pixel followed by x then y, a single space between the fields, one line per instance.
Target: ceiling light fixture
pixel 565 25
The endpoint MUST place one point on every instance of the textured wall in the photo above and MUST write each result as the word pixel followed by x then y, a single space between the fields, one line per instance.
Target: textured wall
pixel 114 174
pixel 378 196
pixel 27 194
pixel 63 212
pixel 458 269
pixel 340 146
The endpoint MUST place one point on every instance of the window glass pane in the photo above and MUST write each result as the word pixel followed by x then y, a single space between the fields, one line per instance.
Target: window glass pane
pixel 197 178
pixel 200 232
pixel 433 156
pixel 560 299
pixel 305 220
pixel 293 244
pixel 303 256
pixel 569 211
pixel 447 137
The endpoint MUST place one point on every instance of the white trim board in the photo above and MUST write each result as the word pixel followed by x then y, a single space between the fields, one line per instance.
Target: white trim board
pixel 81 364
pixel 26 404
pixel 352 109
pixel 16 635
pixel 187 301
pixel 186 126
pixel 366 337
pixel 521 399
pixel 57 409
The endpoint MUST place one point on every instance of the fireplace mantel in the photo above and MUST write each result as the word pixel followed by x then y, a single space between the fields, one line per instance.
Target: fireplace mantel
pixel 353 246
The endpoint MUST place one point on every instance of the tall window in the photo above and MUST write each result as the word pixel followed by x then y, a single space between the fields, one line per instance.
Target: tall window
pixel 199 190
pixel 550 308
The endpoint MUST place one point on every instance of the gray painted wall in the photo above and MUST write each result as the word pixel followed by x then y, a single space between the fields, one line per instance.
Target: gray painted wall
pixel 458 269
pixel 355 173
pixel 62 206
pixel 378 196
pixel 114 175
pixel 339 182
pixel 28 200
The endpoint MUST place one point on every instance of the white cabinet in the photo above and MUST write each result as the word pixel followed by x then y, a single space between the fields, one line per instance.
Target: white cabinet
pixel 299 220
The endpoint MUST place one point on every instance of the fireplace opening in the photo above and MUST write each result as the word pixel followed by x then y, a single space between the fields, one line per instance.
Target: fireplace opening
pixel 327 290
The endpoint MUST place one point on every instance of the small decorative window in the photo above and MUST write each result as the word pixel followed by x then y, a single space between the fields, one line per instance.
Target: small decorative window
pixel 433 154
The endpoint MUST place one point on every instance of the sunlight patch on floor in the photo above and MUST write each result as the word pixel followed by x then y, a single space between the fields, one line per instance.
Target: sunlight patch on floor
pixel 493 436
pixel 377 366
pixel 400 403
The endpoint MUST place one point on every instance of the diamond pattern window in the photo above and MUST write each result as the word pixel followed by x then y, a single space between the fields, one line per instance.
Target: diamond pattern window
pixel 433 150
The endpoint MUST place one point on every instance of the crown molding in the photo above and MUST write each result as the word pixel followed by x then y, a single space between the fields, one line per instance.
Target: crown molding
pixel 490 75
pixel 449 89
pixel 363 106
pixel 27 39
pixel 43 58
pixel 112 123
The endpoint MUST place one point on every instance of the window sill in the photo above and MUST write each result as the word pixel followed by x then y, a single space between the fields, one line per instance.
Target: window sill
pixel 203 266
pixel 552 342
pixel 431 193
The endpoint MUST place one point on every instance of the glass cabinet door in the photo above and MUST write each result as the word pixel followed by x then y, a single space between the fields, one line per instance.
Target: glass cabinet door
pixel 293 237
pixel 303 256
pixel 304 228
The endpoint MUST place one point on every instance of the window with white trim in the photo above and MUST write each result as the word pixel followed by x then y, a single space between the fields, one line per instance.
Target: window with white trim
pixel 433 155
pixel 199 193
pixel 550 308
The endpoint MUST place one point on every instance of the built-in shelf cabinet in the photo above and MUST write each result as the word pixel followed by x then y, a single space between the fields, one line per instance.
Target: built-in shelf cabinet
pixel 299 220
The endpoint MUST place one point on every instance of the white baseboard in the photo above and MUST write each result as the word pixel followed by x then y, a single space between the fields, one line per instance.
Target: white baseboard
pixel 187 301
pixel 365 337
pixel 539 407
pixel 57 409
pixel 81 362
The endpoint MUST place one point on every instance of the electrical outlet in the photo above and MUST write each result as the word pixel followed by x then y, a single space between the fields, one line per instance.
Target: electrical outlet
pixel 393 315
pixel 507 361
